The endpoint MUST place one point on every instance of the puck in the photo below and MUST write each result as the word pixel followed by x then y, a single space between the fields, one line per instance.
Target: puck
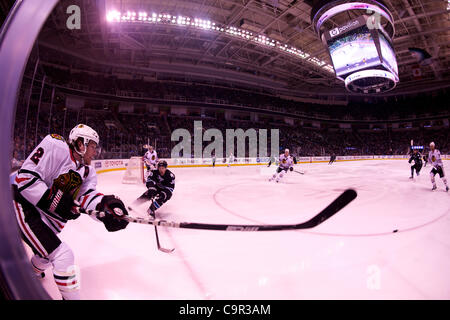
pixel 395 230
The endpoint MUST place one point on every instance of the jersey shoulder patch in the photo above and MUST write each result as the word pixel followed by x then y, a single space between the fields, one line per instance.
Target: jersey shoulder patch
pixel 57 137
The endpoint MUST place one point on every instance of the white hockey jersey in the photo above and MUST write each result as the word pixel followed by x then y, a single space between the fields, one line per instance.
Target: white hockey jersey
pixel 434 157
pixel 151 158
pixel 52 163
pixel 285 162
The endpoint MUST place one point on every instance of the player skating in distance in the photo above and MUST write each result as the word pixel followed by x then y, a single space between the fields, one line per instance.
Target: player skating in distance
pixel 230 159
pixel 434 157
pixel 332 159
pixel 272 160
pixel 160 185
pixel 417 158
pixel 53 176
pixel 285 163
pixel 214 160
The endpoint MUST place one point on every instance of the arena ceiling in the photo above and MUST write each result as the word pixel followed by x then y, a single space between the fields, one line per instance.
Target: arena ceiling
pixel 160 51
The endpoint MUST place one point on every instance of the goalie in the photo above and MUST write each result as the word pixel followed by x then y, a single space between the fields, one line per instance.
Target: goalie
pixel 160 184
pixel 150 158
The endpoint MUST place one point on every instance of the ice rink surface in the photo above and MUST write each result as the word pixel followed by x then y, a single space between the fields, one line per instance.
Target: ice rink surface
pixel 353 255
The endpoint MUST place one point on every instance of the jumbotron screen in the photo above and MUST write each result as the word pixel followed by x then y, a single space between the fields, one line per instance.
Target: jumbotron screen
pixel 354 50
pixel 388 55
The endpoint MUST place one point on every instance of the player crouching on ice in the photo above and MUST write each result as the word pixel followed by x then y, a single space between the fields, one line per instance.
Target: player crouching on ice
pixel 285 163
pixel 434 157
pixel 160 184
pixel 44 191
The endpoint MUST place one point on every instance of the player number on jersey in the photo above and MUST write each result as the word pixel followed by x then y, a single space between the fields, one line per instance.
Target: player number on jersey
pixel 37 155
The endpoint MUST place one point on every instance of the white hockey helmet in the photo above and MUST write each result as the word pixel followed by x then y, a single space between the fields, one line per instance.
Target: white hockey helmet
pixel 83 131
pixel 431 144
pixel 286 150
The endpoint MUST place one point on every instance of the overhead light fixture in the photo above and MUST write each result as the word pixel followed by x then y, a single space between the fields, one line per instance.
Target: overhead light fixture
pixel 179 20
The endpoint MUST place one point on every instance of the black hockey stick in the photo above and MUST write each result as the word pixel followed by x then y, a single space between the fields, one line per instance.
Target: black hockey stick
pixel 299 172
pixel 140 201
pixel 152 213
pixel 340 202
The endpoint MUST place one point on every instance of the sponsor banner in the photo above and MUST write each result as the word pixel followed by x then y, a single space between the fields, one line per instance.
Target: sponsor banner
pixel 97 165
pixel 107 164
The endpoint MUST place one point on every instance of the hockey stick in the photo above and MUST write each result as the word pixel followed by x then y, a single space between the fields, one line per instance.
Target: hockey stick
pixel 340 202
pixel 152 213
pixel 140 201
pixel 301 172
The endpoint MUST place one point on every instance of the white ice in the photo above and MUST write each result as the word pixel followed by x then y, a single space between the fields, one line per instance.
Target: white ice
pixel 353 255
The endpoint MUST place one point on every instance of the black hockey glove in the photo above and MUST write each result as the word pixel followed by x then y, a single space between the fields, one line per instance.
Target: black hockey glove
pixel 114 209
pixel 291 169
pixel 57 202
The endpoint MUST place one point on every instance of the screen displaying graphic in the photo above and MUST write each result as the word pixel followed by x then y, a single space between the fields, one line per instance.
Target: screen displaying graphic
pixel 388 55
pixel 353 51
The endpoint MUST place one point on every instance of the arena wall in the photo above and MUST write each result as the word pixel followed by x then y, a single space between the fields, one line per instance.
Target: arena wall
pixel 121 164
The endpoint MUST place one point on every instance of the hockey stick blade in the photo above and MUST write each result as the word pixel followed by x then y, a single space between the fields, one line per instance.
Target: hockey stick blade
pixel 152 213
pixel 340 202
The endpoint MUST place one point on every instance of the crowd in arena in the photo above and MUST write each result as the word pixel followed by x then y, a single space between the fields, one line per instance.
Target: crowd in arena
pixel 124 135
pixel 395 107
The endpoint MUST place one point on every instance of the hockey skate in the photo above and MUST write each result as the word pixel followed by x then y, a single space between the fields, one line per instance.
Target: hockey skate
pixel 446 188
pixel 434 188
pixel 151 211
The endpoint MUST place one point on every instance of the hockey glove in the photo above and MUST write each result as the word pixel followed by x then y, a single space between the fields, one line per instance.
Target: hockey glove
pixel 114 209
pixel 291 169
pixel 57 202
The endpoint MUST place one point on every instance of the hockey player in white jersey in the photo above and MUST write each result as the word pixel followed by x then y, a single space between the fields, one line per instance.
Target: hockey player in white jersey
pixel 230 159
pixel 150 159
pixel 53 177
pixel 434 157
pixel 285 163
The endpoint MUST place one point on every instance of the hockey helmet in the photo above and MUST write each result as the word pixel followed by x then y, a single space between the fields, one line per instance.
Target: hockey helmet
pixel 162 163
pixel 83 131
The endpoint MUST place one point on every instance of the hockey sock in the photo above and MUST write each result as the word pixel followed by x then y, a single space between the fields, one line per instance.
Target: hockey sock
pixel 65 272
pixel 280 176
